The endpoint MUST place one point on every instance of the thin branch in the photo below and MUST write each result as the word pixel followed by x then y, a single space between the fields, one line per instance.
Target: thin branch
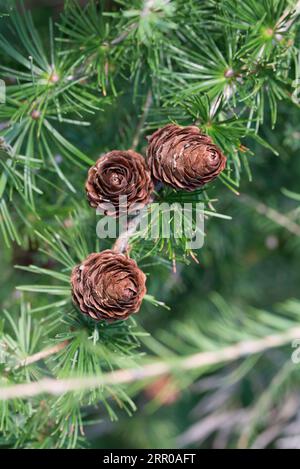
pixel 296 9
pixel 152 370
pixel 121 243
pixel 43 354
pixel 123 35
pixel 272 214
pixel 147 105
pixel 148 5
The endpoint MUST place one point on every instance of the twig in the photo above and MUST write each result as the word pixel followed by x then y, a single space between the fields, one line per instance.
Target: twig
pixel 141 123
pixel 121 243
pixel 272 214
pixel 148 4
pixel 296 9
pixel 42 354
pixel 123 35
pixel 152 370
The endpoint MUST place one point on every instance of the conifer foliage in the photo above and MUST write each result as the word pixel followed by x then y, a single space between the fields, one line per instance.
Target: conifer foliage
pixel 160 100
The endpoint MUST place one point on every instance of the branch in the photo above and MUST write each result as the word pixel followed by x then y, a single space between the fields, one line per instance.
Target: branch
pixel 42 354
pixel 121 243
pixel 141 123
pixel 152 370
pixel 272 214
pixel 296 9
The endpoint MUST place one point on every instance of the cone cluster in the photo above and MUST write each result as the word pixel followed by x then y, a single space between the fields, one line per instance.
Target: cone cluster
pixel 109 285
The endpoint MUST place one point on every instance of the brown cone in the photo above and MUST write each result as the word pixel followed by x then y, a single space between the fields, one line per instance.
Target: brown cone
pixel 119 173
pixel 183 157
pixel 108 285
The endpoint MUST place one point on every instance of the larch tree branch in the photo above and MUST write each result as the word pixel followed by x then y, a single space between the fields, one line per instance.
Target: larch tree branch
pixel 152 370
